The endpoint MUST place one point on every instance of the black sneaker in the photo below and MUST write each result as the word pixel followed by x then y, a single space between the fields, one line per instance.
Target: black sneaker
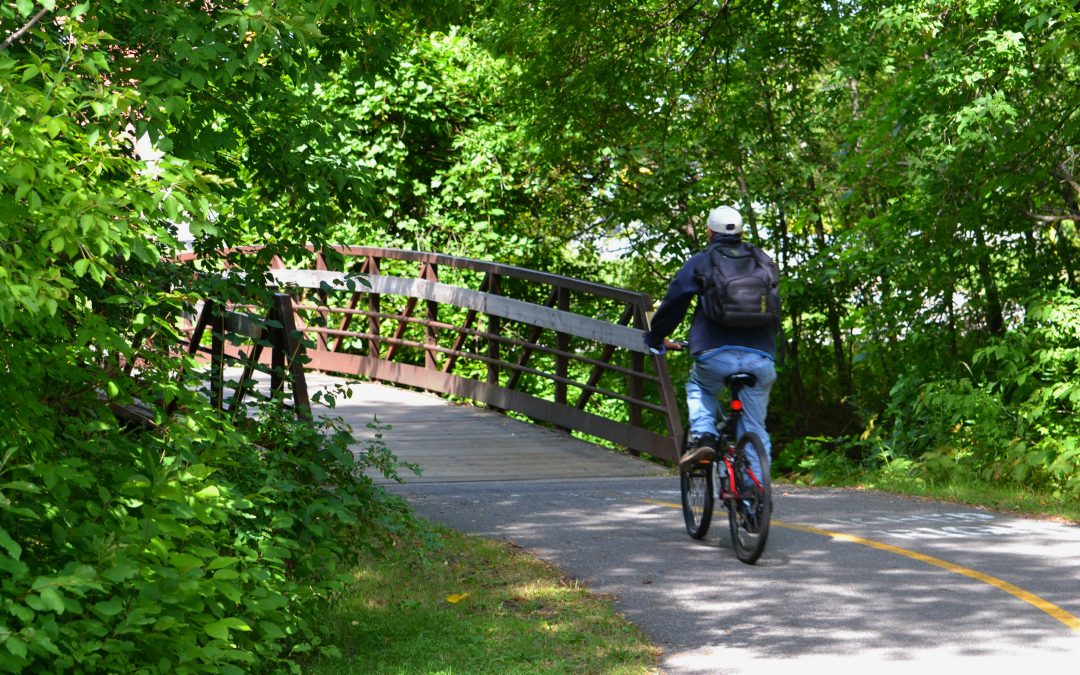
pixel 704 449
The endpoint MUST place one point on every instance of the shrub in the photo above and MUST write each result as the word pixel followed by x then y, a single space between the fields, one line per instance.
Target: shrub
pixel 817 460
pixel 1012 420
pixel 191 549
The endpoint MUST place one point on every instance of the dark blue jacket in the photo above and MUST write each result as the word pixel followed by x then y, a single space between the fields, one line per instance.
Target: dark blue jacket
pixel 704 334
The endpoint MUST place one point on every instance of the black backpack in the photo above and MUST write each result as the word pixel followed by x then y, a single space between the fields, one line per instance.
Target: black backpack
pixel 739 286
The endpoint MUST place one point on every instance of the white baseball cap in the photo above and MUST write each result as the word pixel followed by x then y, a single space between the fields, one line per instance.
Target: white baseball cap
pixel 725 220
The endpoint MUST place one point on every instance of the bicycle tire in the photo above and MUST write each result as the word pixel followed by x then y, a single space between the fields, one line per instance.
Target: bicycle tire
pixel 750 511
pixel 696 486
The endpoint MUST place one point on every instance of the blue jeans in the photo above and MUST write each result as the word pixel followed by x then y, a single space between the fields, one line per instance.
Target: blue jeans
pixel 707 381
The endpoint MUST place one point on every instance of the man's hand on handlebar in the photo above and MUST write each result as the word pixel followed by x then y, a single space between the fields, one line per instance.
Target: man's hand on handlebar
pixel 675 345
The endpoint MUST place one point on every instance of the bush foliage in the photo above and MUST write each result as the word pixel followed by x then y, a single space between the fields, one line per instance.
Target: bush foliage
pixel 186 549
pixel 1012 419
pixel 197 542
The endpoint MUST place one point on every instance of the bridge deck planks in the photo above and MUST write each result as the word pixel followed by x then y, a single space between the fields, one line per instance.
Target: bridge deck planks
pixel 460 442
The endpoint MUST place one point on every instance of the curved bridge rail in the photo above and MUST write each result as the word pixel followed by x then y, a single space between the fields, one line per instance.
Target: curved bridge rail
pixel 554 349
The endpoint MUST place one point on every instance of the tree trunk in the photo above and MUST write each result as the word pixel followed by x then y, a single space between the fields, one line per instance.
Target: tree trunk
pixel 843 370
pixel 788 356
pixel 793 376
pixel 1069 190
pixel 950 311
pixel 747 201
pixel 995 319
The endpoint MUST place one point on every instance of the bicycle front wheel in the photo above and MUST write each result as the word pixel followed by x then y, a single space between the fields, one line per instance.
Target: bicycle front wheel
pixel 750 509
pixel 697 499
pixel 696 485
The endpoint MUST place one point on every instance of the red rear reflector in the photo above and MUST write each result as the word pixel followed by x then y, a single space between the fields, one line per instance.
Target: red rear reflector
pixel 736 405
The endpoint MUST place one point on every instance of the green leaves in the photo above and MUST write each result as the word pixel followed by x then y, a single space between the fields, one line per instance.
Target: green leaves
pixel 110 608
pixel 1014 419
pixel 10 545
pixel 233 589
pixel 49 599
pixel 119 127
pixel 220 629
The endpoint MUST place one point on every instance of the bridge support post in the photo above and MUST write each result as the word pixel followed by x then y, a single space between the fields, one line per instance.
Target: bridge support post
pixel 494 326
pixel 278 330
pixel 562 347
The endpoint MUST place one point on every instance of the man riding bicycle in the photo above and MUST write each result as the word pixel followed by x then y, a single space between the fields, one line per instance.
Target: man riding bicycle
pixel 720 348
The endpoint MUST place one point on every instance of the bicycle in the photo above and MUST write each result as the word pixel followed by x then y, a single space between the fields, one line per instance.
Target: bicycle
pixel 730 478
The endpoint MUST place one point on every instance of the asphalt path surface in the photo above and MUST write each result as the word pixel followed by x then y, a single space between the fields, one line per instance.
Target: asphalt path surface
pixel 850 580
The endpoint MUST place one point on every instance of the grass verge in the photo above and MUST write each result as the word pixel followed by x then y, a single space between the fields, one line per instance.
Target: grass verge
pixel 1001 498
pixel 1004 498
pixel 454 603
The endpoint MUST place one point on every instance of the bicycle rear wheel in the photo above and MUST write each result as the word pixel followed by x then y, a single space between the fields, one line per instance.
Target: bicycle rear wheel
pixel 696 485
pixel 750 511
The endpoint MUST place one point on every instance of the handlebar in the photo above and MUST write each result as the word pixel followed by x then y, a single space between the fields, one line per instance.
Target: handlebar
pixel 675 345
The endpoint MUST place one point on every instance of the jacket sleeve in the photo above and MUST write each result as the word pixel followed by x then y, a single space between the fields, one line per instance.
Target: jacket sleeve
pixel 681 292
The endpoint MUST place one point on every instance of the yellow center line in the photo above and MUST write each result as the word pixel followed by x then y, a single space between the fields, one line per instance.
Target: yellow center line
pixel 1070 620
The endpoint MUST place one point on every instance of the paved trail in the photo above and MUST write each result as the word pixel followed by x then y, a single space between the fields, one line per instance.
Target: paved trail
pixel 851 581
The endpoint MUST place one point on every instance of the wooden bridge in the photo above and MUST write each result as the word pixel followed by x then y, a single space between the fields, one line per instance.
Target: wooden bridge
pixel 561 352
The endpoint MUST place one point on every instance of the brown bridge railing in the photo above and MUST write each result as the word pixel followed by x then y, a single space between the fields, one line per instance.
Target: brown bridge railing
pixel 551 348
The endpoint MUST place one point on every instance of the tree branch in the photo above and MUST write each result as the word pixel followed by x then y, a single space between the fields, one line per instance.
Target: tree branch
pixel 1053 219
pixel 19 33
pixel 1067 177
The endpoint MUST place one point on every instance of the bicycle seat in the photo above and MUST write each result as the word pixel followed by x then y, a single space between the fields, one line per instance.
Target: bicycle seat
pixel 739 380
